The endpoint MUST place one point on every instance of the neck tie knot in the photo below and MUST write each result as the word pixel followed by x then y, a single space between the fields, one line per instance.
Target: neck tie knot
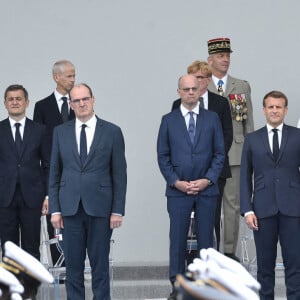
pixel 64 109
pixel 220 87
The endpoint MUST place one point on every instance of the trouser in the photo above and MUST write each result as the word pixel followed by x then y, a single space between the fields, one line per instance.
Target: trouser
pixel 231 210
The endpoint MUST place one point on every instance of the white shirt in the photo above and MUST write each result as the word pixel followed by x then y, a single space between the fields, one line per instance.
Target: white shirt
pixel 216 80
pixel 185 114
pixel 89 131
pixel 271 134
pixel 298 125
pixel 59 101
pixel 270 138
pixel 205 99
pixel 13 127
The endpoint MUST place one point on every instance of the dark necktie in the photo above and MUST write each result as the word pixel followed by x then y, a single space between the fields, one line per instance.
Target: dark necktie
pixel 220 87
pixel 275 143
pixel 83 144
pixel 191 129
pixel 65 109
pixel 201 102
pixel 18 139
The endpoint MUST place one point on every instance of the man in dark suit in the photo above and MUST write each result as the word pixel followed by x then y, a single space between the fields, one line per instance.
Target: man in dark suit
pixel 24 168
pixel 270 193
pixel 50 110
pixel 55 110
pixel 87 188
pixel 220 105
pixel 190 150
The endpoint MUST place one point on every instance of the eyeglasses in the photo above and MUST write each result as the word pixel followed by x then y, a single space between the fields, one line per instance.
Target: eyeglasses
pixel 201 77
pixel 84 100
pixel 186 90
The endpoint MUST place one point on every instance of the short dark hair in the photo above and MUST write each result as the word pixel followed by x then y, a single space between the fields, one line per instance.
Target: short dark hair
pixel 277 95
pixel 16 87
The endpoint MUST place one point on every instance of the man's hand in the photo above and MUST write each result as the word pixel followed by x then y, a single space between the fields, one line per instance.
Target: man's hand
pixel 199 184
pixel 57 221
pixel 251 221
pixel 115 221
pixel 45 207
pixel 185 187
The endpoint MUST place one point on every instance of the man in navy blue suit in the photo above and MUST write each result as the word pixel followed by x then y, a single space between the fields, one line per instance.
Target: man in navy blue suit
pixel 220 105
pixel 270 195
pixel 24 168
pixel 87 188
pixel 190 149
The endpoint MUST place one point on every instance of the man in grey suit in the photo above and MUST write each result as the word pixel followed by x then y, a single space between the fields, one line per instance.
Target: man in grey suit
pixel 87 188
pixel 239 96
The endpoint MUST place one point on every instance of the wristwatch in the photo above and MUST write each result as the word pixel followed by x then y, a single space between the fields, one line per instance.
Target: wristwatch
pixel 209 182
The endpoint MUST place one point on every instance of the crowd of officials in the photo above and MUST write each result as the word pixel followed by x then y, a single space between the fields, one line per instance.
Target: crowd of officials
pixel 69 164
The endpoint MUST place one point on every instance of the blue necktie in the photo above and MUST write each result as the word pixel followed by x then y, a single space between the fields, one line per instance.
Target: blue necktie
pixel 18 139
pixel 65 109
pixel 191 129
pixel 275 143
pixel 220 87
pixel 83 144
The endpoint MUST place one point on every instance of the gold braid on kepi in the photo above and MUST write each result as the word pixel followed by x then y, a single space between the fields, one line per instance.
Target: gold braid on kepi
pixel 28 270
pixel 9 284
pixel 216 285
pixel 219 45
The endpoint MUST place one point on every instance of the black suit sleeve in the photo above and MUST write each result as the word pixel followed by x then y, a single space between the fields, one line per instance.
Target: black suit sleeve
pixel 37 114
pixel 45 156
pixel 227 126
pixel 176 104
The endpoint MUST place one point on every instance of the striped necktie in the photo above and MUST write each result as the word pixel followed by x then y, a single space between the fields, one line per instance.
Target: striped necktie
pixel 220 87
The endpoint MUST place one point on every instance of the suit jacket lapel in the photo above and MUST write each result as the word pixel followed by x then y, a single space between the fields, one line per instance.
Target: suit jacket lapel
pixel 212 87
pixel 26 135
pixel 211 100
pixel 54 110
pixel 199 125
pixel 9 136
pixel 182 127
pixel 71 140
pixel 229 86
pixel 95 142
pixel 265 140
pixel 284 139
